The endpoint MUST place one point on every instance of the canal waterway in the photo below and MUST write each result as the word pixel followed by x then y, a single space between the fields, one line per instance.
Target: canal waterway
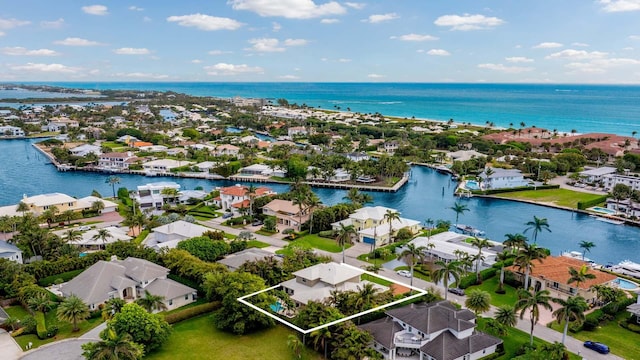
pixel 428 194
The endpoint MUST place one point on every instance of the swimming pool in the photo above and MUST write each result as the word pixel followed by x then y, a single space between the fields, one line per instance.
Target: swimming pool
pixel 602 210
pixel 472 185
pixel 277 307
pixel 625 284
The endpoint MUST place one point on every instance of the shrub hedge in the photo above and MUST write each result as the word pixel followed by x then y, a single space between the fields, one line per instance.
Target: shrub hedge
pixel 188 313
pixel 41 325
pixel 582 205
pixel 523 188
pixel 65 276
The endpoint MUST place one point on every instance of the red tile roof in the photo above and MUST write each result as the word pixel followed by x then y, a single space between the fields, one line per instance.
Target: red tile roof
pixel 556 268
pixel 242 204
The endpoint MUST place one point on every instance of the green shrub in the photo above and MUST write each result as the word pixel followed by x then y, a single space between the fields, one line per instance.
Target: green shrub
pixel 523 188
pixel 188 313
pixel 41 325
pixel 582 205
pixel 53 279
pixel 592 320
pixel 29 324
pixel 630 326
pixel 327 234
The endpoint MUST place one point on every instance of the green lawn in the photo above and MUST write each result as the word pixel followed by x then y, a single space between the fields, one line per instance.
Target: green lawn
pixel 560 197
pixel 490 286
pixel 198 338
pixel 317 242
pixel 256 244
pixel 376 280
pixel 417 273
pixel 621 341
pixel 64 331
pixel 143 235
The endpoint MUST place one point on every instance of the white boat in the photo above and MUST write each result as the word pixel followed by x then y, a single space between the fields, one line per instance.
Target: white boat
pixel 469 230
pixel 627 267
pixel 576 255
pixel 607 220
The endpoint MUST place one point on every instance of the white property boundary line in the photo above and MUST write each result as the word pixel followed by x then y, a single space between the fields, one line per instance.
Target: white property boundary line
pixel 304 332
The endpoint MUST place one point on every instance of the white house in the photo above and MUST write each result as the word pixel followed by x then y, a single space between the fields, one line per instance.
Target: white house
pixel 448 244
pixel 227 149
pixel 168 236
pixel 150 195
pixel 12 131
pixel 117 160
pixel 164 165
pixel 611 180
pixel 128 280
pixel 371 224
pixel 596 175
pixel 91 241
pixel 297 131
pixel 503 178
pixel 85 149
pixel 433 331
pixel 10 252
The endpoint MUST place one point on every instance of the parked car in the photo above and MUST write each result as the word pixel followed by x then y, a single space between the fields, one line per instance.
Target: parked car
pixel 84 228
pixel 227 215
pixel 256 222
pixel 596 346
pixel 456 291
pixel 405 273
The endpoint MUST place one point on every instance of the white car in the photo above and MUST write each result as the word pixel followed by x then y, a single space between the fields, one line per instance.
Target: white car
pixel 405 273
pixel 84 228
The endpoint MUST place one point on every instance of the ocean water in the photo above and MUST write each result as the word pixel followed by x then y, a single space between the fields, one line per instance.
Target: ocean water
pixel 584 108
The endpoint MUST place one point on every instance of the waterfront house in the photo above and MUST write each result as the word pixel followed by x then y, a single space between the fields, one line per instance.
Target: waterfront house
pixel 237 196
pixel 634 310
pixel 117 160
pixel 552 273
pixel 433 331
pixel 185 196
pixel 287 214
pixel 40 203
pixel 357 156
pixel 168 236
pixel 227 149
pixel 11 131
pixel 610 180
pixel 85 149
pixel 371 225
pixel 503 178
pixel 316 282
pixel 164 165
pixel 593 176
pixel 151 196
pixel 448 246
pixel 10 252
pixel 89 240
pixel 297 131
pixel 128 280
pixel 234 261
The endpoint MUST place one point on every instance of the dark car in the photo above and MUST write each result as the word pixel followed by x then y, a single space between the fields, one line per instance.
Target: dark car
pixel 596 346
pixel 456 291
pixel 227 215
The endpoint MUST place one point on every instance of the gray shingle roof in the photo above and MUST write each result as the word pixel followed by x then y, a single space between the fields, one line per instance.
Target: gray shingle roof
pixel 94 284
pixel 447 347
pixel 141 270
pixel 234 261
pixel 168 289
pixel 433 317
pixel 383 331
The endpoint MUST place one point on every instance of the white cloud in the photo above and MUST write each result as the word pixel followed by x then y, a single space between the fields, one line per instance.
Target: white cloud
pixel 505 69
pixel 634 37
pixel 265 45
pixel 599 66
pixel 468 22
pixel 95 10
pixel 577 55
pixel 580 44
pixel 548 45
pixel 289 77
pixel 218 52
pixel 438 52
pixel 135 8
pixel 20 51
pixel 620 5
pixel 344 60
pixel 132 51
pixel 196 61
pixel 141 75
pixel 290 9
pixel 295 42
pixel 628 48
pixel 518 59
pixel 205 22
pixel 231 69
pixel 55 24
pixel 375 76
pixel 275 27
pixel 74 41
pixel 329 21
pixel 7 24
pixel 357 6
pixel 146 19
pixel 1 33
pixel 378 18
pixel 414 37
pixel 48 68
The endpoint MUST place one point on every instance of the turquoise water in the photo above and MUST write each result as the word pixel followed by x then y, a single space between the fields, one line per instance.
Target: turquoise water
pixel 586 108
pixel 626 284
pixel 603 210
pixel 472 185
pixel 276 307
pixel 428 194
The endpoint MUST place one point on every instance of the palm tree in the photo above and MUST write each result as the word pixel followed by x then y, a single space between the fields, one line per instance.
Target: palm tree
pixel 525 258
pixel 112 307
pixel 295 345
pixel 102 234
pixel 537 225
pixel 390 216
pixel 251 192
pixel 41 302
pixel 72 235
pixel 300 198
pixel 22 207
pixel 532 301
pixel 586 247
pixel 444 272
pixel 515 241
pixel 345 235
pixel 579 276
pixel 113 346
pixel 171 193
pixel 152 302
pixel 480 244
pixel 478 301
pixel 366 297
pixel 72 310
pixel 412 254
pixel 506 315
pixel 98 206
pixel 313 201
pixel 68 215
pixel 570 310
pixel 429 222
pixel 113 180
pixel 459 209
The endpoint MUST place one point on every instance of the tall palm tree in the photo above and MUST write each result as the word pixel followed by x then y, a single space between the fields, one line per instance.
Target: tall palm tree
pixel 586 247
pixel 72 235
pixel 102 234
pixel 479 243
pixel 171 193
pixel 532 301
pixel 537 225
pixel 478 301
pixel 579 276
pixel 459 209
pixel 22 207
pixel 429 222
pixel 570 310
pixel 514 241
pixel 506 315
pixel 72 310
pixel 412 255
pixel 444 272
pixel 390 216
pixel 251 192
pixel 113 180
pixel 300 198
pixel 113 346
pixel 312 202
pixel 345 236
pixel 366 297
pixel 502 257
pixel 152 302
pixel 295 345
pixel 525 258
pixel 68 215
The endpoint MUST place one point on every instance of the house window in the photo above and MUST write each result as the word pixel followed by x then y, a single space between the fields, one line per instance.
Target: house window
pixel 170 302
pixel 555 284
pixel 186 297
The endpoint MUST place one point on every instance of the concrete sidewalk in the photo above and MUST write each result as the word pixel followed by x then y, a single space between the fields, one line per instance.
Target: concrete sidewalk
pixel 9 348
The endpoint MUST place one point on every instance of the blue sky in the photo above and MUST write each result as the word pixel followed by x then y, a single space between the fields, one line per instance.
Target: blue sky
pixel 556 41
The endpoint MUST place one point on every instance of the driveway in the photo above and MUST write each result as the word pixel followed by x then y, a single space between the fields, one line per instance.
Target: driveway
pixel 68 349
pixel 9 349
